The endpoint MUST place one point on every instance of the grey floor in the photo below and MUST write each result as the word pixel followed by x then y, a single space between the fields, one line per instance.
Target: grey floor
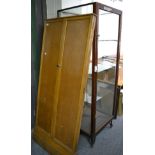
pixel 108 142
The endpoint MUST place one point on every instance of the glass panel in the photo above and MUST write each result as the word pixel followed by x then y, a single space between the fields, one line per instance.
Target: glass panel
pixel 86 120
pixel 77 11
pixel 107 51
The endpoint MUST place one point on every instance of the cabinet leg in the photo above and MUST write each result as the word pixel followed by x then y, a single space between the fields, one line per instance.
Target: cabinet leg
pixel 92 140
pixel 111 124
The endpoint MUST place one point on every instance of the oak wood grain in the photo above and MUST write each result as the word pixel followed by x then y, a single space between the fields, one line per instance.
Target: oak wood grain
pixel 63 75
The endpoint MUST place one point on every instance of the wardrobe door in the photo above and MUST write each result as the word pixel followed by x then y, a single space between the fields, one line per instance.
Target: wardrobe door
pixel 48 74
pixel 63 74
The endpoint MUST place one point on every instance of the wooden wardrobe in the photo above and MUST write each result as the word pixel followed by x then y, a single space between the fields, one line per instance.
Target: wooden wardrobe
pixel 65 58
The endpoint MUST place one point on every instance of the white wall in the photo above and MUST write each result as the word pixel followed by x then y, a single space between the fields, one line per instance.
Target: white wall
pixel 70 3
pixel 52 7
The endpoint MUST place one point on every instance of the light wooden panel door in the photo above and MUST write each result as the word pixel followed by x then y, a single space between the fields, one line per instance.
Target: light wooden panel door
pixel 63 73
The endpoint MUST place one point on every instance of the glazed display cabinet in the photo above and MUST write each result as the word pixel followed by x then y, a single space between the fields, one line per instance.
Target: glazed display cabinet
pixel 101 91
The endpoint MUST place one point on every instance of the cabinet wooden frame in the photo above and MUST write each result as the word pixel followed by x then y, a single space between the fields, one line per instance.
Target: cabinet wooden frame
pixel 96 7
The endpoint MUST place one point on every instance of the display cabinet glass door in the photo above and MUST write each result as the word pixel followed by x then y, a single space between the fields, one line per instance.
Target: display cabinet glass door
pixel 100 93
pixel 106 73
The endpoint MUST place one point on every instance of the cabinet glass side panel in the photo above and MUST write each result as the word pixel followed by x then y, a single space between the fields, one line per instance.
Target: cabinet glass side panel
pixel 107 52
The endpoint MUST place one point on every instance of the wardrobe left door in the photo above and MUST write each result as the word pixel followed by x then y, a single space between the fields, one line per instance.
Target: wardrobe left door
pixel 48 75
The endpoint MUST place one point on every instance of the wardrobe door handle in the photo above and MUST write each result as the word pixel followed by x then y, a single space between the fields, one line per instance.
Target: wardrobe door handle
pixel 59 66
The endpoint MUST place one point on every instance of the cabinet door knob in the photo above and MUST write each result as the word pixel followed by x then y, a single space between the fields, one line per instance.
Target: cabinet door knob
pixel 59 66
